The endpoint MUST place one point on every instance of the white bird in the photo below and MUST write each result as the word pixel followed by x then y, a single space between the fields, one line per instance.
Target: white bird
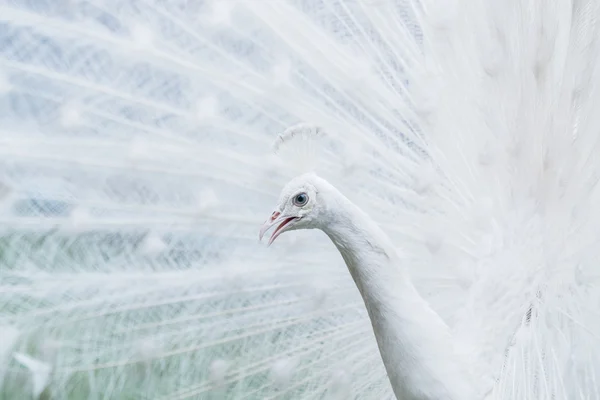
pixel 448 148
pixel 415 343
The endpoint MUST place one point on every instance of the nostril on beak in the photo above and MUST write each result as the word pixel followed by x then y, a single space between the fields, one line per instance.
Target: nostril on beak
pixel 275 215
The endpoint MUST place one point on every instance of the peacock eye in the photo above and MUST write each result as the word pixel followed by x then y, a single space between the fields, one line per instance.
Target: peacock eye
pixel 301 199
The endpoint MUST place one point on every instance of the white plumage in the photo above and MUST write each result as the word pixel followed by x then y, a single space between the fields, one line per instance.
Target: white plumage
pixel 422 359
pixel 135 171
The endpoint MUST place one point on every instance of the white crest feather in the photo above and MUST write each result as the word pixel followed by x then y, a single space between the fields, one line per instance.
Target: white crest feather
pixel 300 147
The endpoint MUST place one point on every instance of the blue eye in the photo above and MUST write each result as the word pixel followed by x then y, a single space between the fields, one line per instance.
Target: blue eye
pixel 300 199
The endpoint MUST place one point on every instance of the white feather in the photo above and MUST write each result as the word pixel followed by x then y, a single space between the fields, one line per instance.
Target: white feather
pixel 300 148
pixel 467 131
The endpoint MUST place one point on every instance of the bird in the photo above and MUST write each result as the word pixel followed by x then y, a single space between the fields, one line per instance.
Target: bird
pixel 414 342
pixel 442 151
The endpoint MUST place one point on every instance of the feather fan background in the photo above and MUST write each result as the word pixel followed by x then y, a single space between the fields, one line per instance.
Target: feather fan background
pixel 136 168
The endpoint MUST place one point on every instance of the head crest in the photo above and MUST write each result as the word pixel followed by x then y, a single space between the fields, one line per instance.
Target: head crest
pixel 300 147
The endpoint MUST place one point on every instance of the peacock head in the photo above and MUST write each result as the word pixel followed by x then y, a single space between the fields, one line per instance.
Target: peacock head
pixel 298 207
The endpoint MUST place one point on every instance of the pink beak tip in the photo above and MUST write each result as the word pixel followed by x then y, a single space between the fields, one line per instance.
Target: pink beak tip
pixel 265 227
pixel 275 217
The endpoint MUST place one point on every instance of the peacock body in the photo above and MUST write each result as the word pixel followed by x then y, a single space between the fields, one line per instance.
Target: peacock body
pixel 136 168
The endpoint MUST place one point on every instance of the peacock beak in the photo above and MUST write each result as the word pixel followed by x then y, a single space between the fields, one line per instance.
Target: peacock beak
pixel 282 222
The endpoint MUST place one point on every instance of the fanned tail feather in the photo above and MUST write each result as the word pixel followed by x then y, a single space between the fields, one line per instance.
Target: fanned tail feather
pixel 134 174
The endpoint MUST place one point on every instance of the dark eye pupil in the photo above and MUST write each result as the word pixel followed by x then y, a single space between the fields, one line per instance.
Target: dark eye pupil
pixel 301 199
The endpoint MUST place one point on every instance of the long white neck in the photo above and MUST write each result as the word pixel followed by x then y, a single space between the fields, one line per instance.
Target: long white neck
pixel 415 344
